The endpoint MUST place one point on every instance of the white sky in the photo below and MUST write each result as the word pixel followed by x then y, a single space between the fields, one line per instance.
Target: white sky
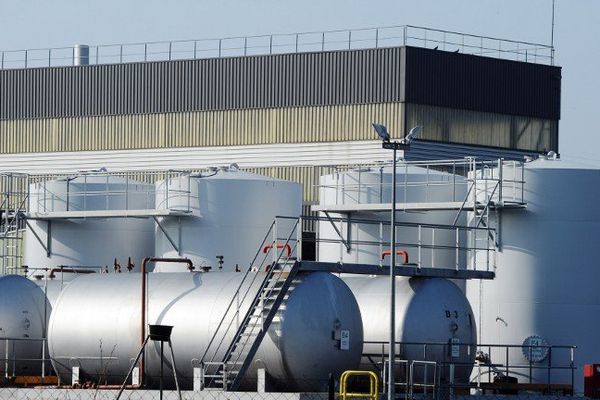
pixel 58 23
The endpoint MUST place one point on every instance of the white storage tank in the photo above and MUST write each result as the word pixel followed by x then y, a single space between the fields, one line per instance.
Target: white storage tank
pixel 374 185
pixel 89 242
pixel 298 352
pixel 231 212
pixel 431 311
pixel 547 275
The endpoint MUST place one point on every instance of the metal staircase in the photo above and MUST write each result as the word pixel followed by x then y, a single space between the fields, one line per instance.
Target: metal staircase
pixel 13 202
pixel 259 299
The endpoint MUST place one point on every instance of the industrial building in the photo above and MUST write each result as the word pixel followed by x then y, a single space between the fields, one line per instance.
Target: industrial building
pixel 192 156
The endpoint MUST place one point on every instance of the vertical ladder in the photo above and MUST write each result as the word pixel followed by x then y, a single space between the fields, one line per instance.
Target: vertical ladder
pixel 13 202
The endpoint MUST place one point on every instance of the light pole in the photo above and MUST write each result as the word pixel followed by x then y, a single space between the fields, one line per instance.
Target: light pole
pixel 403 144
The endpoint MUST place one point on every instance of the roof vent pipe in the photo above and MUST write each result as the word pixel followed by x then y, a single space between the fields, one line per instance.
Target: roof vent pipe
pixel 81 54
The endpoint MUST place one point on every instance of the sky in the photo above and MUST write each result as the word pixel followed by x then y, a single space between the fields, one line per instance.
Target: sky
pixel 58 23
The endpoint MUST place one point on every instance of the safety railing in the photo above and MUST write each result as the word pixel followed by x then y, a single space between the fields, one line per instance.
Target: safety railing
pixel 544 365
pixel 426 245
pixel 465 181
pixel 105 191
pixel 286 43
pixel 12 361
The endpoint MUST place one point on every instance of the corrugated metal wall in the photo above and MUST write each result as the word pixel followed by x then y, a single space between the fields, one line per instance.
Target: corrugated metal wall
pixel 199 129
pixel 412 75
pixel 484 129
pixel 290 80
pixel 477 83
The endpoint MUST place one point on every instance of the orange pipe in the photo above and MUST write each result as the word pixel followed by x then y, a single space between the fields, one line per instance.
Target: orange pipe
pixel 402 253
pixel 143 327
pixel 286 246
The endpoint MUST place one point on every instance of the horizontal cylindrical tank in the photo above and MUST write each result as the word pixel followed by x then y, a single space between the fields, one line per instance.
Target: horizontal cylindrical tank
pixel 546 286
pixel 433 319
pixel 23 315
pixel 90 242
pixel 96 325
pixel 374 185
pixel 231 212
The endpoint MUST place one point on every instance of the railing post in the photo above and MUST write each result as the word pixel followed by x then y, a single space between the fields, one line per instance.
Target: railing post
pixel 145 52
pixel 6 358
pixel 245 46
pixel 296 42
pixel 405 31
pixel 376 38
pixel 274 247
pixel 220 40
pixel 25 58
pixel 121 54
pixel 457 255
pixel 323 41
pixel 97 55
pixel 195 45
pixel 170 50
pixel 299 239
pixel 270 44
pixel 500 178
pixel 349 40
pixel 49 57
pixel 2 61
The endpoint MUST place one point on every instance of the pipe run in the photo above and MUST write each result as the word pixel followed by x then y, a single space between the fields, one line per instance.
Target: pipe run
pixel 402 253
pixel 145 263
pixel 286 247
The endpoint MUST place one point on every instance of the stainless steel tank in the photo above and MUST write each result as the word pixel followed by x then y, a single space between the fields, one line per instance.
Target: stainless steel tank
pixel 230 213
pixel 96 321
pixel 430 311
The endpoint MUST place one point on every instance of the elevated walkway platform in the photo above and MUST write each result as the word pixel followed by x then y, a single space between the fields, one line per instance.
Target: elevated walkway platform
pixel 401 270
pixel 58 215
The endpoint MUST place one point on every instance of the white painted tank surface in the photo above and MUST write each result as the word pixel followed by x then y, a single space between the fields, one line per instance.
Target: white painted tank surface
pixel 100 316
pixel 428 310
pixel 546 288
pixel 23 315
pixel 231 213
pixel 91 242
pixel 373 185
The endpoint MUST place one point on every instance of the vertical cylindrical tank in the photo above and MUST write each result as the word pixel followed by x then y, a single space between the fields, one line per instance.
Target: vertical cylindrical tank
pixel 546 286
pixel 231 212
pixel 434 321
pixel 373 185
pixel 298 352
pixel 88 242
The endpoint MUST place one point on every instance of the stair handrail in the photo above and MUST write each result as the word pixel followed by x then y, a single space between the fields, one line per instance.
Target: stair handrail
pixel 252 307
pixel 236 294
pixel 254 304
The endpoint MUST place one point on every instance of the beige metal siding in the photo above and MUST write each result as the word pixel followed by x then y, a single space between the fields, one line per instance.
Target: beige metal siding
pixel 199 129
pixel 483 129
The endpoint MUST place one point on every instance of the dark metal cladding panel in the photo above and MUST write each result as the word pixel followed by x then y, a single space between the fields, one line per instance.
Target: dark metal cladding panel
pixel 477 83
pixel 287 80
